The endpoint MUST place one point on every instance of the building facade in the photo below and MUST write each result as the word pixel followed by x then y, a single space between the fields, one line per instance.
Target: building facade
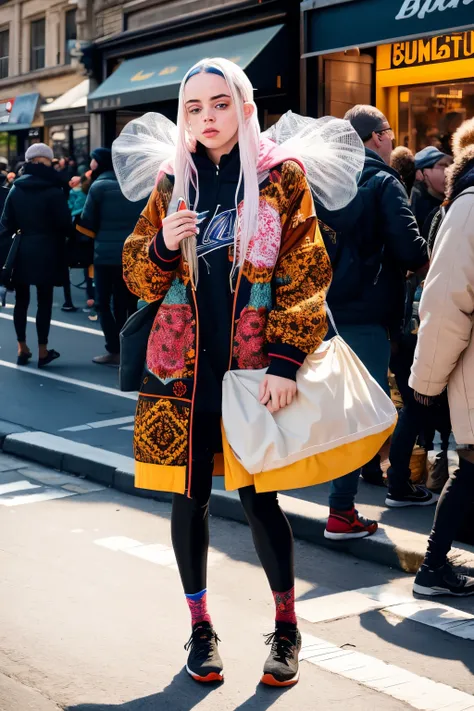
pixel 414 59
pixel 143 48
pixel 37 67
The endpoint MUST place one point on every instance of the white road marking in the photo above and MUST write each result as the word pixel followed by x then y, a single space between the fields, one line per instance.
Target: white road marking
pixel 71 381
pixel 434 614
pixel 392 600
pixel 157 553
pixel 417 691
pixel 128 429
pixel 17 486
pixel 47 495
pixel 61 324
pixel 100 423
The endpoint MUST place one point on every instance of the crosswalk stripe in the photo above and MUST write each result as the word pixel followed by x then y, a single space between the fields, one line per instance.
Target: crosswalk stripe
pixel 47 495
pixel 157 553
pixel 22 485
pixel 418 691
pixel 433 614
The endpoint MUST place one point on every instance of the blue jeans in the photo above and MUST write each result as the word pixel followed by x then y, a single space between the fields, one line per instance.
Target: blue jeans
pixel 371 344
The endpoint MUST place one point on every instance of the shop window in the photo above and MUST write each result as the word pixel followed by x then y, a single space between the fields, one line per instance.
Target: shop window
pixel 71 35
pixel 59 141
pixel 4 53
pixel 37 44
pixel 430 114
pixel 80 146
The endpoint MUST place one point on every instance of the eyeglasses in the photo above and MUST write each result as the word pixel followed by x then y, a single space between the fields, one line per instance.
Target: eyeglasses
pixel 388 131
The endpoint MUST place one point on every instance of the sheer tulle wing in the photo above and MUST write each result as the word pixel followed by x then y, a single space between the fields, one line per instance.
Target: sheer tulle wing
pixel 331 151
pixel 142 147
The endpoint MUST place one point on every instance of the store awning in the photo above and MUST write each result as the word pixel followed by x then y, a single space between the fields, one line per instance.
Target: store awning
pixel 157 77
pixel 22 113
pixel 73 99
pixel 71 106
pixel 336 25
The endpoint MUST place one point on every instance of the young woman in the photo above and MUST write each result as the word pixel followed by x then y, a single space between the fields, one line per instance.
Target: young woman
pixel 241 274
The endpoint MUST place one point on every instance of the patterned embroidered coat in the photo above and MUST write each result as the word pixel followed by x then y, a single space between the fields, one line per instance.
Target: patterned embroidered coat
pixel 278 313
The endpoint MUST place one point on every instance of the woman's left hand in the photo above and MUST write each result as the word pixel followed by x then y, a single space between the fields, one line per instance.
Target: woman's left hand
pixel 276 393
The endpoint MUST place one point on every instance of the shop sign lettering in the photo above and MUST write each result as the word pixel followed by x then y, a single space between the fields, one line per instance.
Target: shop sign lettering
pixel 446 48
pixel 421 8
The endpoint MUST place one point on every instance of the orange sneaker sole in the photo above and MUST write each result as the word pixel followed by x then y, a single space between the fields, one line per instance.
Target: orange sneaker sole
pixel 213 676
pixel 270 680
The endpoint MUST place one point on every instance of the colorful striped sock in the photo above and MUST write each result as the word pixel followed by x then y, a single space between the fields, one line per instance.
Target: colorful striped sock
pixel 197 604
pixel 285 606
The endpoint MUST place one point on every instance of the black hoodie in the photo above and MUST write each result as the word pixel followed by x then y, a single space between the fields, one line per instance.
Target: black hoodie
pixel 379 233
pixel 37 206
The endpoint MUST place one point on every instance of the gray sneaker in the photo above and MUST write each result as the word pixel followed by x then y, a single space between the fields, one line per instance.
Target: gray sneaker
pixel 107 359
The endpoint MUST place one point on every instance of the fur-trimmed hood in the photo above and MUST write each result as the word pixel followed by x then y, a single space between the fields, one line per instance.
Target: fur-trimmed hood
pixel 460 175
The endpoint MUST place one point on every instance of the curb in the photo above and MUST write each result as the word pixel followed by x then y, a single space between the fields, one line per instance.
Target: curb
pixel 393 547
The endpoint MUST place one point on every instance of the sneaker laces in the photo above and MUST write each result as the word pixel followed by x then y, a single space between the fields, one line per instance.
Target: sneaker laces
pixel 361 519
pixel 282 647
pixel 201 640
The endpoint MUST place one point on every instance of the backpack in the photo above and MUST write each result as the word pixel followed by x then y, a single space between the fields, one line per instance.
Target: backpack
pixel 438 219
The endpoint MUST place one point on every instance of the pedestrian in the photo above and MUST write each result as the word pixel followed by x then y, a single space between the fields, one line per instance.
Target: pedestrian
pixel 36 207
pixel 403 161
pixel 372 243
pixel 109 218
pixel 429 189
pixel 445 358
pixel 217 309
pixel 77 199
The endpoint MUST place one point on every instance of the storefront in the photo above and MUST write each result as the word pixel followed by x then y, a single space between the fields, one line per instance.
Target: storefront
pixel 67 125
pixel 18 127
pixel 415 57
pixel 141 70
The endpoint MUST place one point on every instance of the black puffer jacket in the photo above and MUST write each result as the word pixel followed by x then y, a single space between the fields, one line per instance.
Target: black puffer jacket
pixel 381 230
pixel 37 206
pixel 108 217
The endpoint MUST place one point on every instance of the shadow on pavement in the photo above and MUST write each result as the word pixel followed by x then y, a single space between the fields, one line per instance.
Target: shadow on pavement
pixel 405 634
pixel 182 694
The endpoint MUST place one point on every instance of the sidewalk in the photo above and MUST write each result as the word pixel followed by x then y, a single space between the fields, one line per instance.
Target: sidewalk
pixel 399 543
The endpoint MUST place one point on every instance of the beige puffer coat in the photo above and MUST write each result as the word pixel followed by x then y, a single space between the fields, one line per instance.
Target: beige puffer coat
pixel 445 351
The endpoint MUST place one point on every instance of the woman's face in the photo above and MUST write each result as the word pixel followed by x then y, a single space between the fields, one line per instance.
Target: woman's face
pixel 211 114
pixel 94 165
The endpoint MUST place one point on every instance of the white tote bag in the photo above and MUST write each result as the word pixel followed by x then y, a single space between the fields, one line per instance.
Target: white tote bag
pixel 338 403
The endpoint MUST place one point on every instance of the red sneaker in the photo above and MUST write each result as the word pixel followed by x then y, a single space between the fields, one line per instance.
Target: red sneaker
pixel 344 525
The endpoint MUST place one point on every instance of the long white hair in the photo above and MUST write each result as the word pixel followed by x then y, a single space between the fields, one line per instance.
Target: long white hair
pixel 241 91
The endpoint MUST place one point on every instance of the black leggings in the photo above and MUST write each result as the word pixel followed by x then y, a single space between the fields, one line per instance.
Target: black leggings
pixel 270 528
pixel 43 313
pixel 453 506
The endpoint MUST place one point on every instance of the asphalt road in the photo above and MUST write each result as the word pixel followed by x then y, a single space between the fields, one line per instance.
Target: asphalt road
pixel 50 400
pixel 92 616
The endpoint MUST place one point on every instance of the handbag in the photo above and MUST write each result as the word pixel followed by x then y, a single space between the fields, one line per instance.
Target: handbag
pixel 8 269
pixel 339 418
pixel 133 345
pixel 79 250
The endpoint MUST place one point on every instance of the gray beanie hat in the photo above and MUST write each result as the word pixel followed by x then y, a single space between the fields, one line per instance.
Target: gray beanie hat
pixel 39 150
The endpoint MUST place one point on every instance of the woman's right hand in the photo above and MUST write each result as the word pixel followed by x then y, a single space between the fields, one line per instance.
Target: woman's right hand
pixel 178 226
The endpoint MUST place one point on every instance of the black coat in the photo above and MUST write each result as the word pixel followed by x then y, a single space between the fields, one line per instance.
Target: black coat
pixel 108 217
pixel 383 228
pixel 37 207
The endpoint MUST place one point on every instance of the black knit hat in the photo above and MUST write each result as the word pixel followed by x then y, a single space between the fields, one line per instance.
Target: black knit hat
pixel 103 156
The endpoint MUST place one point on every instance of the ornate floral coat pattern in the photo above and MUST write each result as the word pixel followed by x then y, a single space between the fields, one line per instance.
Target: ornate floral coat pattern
pixel 278 317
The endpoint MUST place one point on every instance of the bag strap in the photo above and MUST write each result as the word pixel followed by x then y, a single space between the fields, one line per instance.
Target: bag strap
pixel 331 318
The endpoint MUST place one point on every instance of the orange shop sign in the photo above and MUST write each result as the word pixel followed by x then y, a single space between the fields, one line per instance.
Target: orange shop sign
pixel 428 50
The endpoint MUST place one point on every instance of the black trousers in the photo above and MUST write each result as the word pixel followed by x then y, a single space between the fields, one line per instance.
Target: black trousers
pixel 270 528
pixel 114 302
pixel 453 505
pixel 43 313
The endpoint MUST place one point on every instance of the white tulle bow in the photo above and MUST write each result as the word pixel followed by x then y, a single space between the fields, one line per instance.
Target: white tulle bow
pixel 329 148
